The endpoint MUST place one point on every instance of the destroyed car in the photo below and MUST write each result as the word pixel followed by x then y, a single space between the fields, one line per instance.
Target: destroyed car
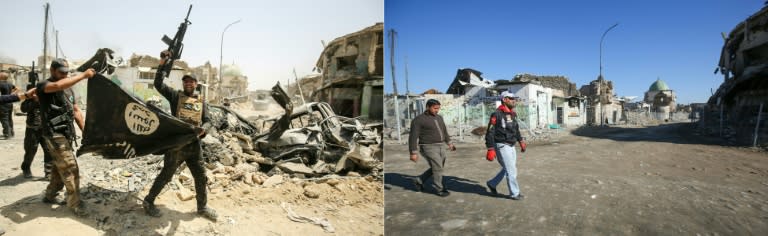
pixel 312 134
pixel 309 139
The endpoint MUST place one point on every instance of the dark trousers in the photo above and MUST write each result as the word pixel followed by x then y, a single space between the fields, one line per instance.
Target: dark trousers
pixel 33 138
pixel 6 120
pixel 192 154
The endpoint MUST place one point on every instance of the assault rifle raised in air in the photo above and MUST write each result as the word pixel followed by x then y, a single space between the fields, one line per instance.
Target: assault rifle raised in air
pixel 175 45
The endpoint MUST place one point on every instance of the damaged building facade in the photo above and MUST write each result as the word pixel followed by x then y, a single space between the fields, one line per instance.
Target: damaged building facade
pixel 352 68
pixel 137 77
pixel 603 107
pixel 547 100
pixel 736 110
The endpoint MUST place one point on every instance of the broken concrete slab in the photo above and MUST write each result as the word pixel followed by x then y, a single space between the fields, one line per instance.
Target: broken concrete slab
pixel 182 193
pixel 295 168
pixel 273 180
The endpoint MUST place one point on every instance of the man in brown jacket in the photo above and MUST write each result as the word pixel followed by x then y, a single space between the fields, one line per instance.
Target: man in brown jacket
pixel 428 134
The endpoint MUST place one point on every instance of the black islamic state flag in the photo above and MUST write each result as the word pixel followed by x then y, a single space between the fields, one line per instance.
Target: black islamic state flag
pixel 118 125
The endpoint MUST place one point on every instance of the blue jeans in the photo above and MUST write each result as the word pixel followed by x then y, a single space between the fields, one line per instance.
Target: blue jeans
pixel 507 157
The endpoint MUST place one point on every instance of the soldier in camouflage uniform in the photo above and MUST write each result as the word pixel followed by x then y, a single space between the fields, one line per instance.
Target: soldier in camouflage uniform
pixel 58 110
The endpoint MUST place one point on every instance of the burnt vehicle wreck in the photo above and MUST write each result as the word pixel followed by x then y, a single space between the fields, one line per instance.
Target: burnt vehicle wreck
pixel 309 139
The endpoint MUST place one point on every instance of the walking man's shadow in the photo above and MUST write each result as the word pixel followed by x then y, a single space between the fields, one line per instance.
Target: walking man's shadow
pixel 451 183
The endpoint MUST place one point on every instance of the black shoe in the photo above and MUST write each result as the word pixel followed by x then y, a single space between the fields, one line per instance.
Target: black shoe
pixel 53 200
pixel 150 209
pixel 519 197
pixel 27 174
pixel 81 210
pixel 443 193
pixel 419 187
pixel 493 190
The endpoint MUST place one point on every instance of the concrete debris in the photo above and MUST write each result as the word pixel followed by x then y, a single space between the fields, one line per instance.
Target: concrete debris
pixel 353 174
pixel 291 168
pixel 184 177
pixel 273 180
pixel 311 191
pixel 259 178
pixel 182 193
pixel 332 182
pixel 305 141
pixel 248 178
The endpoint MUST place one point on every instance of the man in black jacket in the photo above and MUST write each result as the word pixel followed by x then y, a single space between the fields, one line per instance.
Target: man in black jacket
pixel 33 138
pixel 428 134
pixel 6 109
pixel 191 108
pixel 503 132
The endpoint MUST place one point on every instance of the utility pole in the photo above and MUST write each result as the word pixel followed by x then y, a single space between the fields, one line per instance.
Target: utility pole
pixel 299 86
pixel 45 43
pixel 221 59
pixel 57 44
pixel 392 34
pixel 407 92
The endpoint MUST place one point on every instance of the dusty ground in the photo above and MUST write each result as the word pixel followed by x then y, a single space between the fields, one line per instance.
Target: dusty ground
pixel 659 180
pixel 352 206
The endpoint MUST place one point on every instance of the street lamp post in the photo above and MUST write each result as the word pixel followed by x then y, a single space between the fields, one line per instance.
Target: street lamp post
pixel 221 58
pixel 600 77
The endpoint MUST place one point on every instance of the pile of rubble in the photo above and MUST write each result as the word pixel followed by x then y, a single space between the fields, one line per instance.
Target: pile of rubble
pixel 306 141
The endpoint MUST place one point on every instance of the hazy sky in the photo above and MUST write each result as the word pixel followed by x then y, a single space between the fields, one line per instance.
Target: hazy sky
pixel 273 37
pixel 678 41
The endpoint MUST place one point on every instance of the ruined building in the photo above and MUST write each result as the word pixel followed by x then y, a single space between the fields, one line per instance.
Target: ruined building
pixel 352 68
pixel 469 82
pixel 602 105
pixel 233 83
pixel 207 74
pixel 661 98
pixel 546 100
pixel 734 111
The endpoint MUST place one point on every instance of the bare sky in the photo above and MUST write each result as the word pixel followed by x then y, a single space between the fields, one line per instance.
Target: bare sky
pixel 273 37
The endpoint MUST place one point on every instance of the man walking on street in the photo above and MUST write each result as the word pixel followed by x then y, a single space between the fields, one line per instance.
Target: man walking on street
pixel 428 134
pixel 58 111
pixel 503 131
pixel 6 109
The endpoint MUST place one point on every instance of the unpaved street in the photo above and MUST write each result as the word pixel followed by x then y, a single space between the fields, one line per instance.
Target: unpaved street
pixel 659 180
pixel 350 205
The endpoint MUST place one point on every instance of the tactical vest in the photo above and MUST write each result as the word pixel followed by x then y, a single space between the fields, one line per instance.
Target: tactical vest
pixel 58 114
pixel 190 109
